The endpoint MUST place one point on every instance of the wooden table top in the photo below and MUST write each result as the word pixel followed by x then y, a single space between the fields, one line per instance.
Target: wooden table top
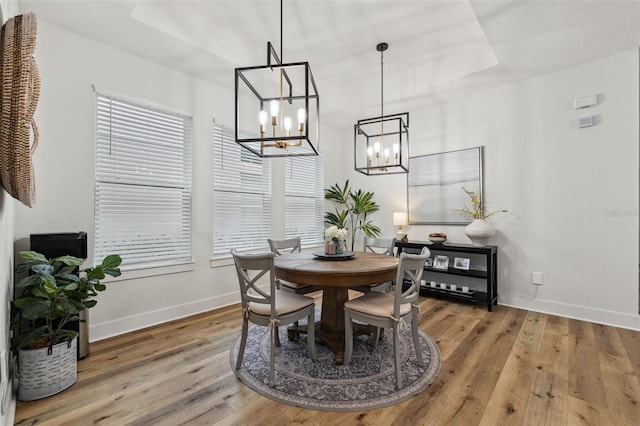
pixel 362 269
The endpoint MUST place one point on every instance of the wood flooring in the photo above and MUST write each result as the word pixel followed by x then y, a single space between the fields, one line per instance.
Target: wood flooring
pixel 508 367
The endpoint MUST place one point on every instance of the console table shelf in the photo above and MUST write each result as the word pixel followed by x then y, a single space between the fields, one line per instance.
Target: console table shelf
pixel 475 273
pixel 483 271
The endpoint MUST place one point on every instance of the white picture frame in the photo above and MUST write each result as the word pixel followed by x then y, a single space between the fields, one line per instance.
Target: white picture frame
pixel 461 263
pixel 441 262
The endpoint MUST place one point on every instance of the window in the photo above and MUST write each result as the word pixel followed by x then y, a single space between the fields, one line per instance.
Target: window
pixel 142 183
pixel 242 196
pixel 304 199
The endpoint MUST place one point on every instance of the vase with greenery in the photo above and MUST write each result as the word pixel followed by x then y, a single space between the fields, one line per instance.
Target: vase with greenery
pixel 50 297
pixel 352 210
pixel 479 230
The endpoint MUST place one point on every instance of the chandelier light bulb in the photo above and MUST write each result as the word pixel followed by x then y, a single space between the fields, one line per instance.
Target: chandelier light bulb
pixel 274 107
pixel 376 147
pixel 302 116
pixel 369 152
pixel 396 148
pixel 287 124
pixel 386 155
pixel 262 117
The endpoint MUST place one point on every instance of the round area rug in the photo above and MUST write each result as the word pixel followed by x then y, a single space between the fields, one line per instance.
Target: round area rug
pixel 368 382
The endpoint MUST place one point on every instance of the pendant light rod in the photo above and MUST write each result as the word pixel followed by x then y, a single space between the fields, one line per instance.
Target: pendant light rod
pixel 381 47
pixel 281 38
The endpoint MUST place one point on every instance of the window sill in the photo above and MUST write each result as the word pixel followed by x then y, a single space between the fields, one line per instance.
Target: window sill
pixel 142 271
pixel 222 261
pixel 219 262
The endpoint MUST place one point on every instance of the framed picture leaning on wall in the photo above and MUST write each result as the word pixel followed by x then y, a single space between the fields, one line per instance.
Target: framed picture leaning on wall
pixel 435 182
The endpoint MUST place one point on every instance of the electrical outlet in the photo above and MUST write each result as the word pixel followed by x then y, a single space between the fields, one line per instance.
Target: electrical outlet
pixel 536 278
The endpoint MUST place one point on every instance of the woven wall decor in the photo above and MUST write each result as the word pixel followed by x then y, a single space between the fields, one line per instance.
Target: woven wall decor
pixel 18 100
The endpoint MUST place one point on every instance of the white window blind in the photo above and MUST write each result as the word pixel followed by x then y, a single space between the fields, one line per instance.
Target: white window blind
pixel 241 196
pixel 142 183
pixel 304 199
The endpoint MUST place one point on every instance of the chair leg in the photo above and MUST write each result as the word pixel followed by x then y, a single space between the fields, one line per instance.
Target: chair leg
pixel 376 337
pixel 416 338
pixel 277 336
pixel 311 334
pixel 396 355
pixel 272 358
pixel 348 337
pixel 243 342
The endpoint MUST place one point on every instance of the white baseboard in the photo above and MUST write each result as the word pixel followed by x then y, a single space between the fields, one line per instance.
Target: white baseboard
pixel 10 412
pixel 148 319
pixel 598 316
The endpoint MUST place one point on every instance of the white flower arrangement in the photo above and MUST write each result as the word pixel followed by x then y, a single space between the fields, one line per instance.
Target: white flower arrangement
pixel 334 233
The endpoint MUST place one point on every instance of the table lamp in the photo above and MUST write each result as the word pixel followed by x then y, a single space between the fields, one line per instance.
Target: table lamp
pixel 400 219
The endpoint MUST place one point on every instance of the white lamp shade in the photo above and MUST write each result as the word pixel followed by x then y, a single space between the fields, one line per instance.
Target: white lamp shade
pixel 400 218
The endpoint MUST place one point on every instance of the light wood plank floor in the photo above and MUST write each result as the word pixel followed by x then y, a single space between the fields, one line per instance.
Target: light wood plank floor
pixel 507 367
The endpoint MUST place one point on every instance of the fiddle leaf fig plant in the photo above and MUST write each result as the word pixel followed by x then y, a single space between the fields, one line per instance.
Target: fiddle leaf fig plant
pixel 53 295
pixel 353 210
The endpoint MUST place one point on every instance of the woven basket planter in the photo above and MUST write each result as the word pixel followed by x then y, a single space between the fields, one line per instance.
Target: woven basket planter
pixel 43 374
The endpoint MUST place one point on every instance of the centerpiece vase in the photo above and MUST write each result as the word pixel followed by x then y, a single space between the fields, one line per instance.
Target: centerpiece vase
pixel 479 231
pixel 339 247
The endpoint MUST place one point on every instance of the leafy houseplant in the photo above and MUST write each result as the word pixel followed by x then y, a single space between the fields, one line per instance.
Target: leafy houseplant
pixel 53 295
pixel 352 213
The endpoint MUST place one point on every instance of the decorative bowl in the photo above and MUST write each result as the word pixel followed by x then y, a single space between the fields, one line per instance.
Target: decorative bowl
pixel 437 239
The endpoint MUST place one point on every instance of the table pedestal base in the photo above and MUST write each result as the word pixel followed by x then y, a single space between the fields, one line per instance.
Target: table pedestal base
pixel 330 329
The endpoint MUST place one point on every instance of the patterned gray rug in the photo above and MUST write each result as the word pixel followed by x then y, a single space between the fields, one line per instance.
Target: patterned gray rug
pixel 368 382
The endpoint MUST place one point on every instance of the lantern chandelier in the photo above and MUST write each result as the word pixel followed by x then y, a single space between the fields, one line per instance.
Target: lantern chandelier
pixel 381 143
pixel 268 98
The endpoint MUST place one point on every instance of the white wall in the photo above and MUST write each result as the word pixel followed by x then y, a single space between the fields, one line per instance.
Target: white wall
pixel 558 182
pixel 572 194
pixel 64 164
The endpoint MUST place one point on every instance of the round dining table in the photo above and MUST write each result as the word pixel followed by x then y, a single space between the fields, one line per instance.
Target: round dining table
pixel 336 276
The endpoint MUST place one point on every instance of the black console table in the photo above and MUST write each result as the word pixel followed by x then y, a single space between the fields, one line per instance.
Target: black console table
pixel 481 278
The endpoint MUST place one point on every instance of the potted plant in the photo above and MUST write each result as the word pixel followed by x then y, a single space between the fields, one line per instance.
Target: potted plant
pixel 356 206
pixel 479 230
pixel 50 297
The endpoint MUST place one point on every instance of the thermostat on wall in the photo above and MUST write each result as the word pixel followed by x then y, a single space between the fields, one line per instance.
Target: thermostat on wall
pixel 586 102
pixel 586 121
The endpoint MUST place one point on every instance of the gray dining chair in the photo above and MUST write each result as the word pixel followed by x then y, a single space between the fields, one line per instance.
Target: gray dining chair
pixel 390 310
pixel 379 246
pixel 270 309
pixel 283 247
